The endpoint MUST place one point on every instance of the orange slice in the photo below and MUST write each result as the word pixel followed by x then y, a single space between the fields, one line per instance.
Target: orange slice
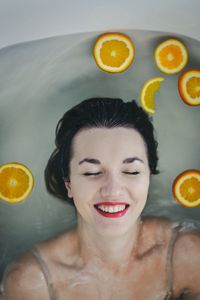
pixel 186 188
pixel 113 52
pixel 171 56
pixel 16 182
pixel 147 94
pixel 189 87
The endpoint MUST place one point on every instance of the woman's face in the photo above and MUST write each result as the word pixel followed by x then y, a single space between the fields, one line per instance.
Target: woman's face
pixel 109 177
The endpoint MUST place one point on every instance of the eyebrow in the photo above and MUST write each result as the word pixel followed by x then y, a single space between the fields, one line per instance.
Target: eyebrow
pixel 97 162
pixel 90 160
pixel 132 159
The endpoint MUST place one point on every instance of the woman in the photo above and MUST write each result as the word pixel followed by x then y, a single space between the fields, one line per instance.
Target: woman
pixel 105 155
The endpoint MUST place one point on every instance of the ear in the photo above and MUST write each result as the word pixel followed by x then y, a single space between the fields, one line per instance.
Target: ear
pixel 68 187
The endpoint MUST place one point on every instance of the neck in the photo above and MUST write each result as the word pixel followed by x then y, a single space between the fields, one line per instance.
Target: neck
pixel 114 251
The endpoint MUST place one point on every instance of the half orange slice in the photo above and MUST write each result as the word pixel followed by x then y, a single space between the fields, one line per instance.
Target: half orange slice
pixel 113 52
pixel 189 87
pixel 171 56
pixel 186 188
pixel 147 94
pixel 16 182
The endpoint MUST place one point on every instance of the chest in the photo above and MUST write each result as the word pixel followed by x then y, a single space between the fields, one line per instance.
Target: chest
pixel 145 279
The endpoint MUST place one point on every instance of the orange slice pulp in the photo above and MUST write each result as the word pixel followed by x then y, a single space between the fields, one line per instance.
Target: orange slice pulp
pixel 147 93
pixel 189 87
pixel 16 182
pixel 113 52
pixel 186 188
pixel 171 56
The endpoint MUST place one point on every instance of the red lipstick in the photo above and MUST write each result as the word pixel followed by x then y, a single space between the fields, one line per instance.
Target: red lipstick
pixel 110 210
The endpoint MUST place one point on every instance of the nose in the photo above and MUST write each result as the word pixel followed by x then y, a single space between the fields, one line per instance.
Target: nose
pixel 112 187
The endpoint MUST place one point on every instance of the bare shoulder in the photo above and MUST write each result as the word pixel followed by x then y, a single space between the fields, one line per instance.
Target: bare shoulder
pixel 186 253
pixel 186 262
pixel 24 280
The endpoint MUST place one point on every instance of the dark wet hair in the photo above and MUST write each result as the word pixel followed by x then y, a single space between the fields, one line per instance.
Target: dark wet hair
pixel 91 113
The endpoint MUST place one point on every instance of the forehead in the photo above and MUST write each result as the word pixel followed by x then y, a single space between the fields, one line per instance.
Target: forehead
pixel 100 141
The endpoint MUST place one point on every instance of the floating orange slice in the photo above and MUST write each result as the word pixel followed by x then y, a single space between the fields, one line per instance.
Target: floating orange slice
pixel 186 188
pixel 113 52
pixel 147 94
pixel 171 56
pixel 189 87
pixel 16 182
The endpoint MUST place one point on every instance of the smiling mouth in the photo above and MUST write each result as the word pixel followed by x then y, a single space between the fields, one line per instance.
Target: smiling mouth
pixel 112 210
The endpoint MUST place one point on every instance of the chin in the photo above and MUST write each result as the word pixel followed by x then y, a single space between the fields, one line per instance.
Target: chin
pixel 116 228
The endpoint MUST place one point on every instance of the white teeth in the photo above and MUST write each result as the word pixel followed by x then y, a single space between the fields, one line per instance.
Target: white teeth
pixel 111 209
pixel 106 209
pixel 115 209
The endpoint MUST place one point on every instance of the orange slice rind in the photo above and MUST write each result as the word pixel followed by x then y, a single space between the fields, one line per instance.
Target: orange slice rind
pixel 189 87
pixel 147 94
pixel 16 182
pixel 186 188
pixel 171 56
pixel 113 52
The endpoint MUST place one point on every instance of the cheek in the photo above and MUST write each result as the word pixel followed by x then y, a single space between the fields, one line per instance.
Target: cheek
pixel 140 188
pixel 81 189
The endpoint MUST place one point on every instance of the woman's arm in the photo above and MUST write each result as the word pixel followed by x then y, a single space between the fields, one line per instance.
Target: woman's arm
pixel 24 280
pixel 186 265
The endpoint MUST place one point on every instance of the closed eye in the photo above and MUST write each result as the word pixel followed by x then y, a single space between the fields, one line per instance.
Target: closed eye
pixel 98 173
pixel 132 173
pixel 92 174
